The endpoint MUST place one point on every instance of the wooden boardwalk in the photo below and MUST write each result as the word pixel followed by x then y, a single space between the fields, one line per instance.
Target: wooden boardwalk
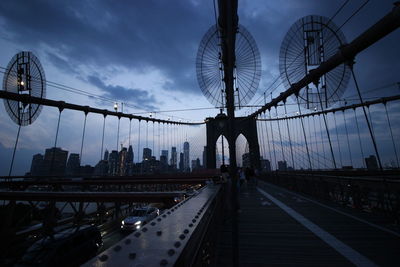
pixel 278 227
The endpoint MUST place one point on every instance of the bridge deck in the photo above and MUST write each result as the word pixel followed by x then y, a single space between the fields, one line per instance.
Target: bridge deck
pixel 277 227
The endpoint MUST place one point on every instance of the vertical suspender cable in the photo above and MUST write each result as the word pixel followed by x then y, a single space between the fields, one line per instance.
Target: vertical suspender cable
pixel 280 135
pixel 269 146
pixel 316 142
pixel 391 135
pixel 102 138
pixel 83 138
pixel 359 138
pixel 337 139
pixel 15 148
pixel 304 132
pixel 273 144
pixel 366 117
pixel 347 135
pixel 290 139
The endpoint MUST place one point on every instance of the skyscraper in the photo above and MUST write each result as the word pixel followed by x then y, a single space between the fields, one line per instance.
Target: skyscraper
pixel 181 162
pixel 122 161
pixel 37 165
pixel 73 164
pixel 186 166
pixel 164 157
pixel 105 155
pixel 371 163
pixel 129 161
pixel 173 157
pixel 146 153
pixel 55 160
pixel 113 163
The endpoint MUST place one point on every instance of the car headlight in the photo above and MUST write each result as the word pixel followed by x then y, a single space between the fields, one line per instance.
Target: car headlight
pixel 138 222
pixel 123 223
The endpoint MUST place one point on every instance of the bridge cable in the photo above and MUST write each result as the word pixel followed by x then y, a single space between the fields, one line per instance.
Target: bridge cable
pixel 304 132
pixel 315 136
pixel 260 136
pixel 337 139
pixel 273 142
pixel 269 146
pixel 322 136
pixel 130 130
pixel 280 135
pixel 326 128
pixel 138 149
pixel 15 148
pixel 391 134
pixel 290 140
pixel 83 138
pixel 55 141
pixel 359 138
pixel 351 65
pixel 102 139
pixel 347 135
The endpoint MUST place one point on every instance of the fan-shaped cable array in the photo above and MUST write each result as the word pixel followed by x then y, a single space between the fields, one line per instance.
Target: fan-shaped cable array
pixel 209 67
pixel 309 42
pixel 24 75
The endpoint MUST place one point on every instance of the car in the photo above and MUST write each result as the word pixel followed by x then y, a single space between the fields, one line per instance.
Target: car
pixel 71 247
pixel 138 218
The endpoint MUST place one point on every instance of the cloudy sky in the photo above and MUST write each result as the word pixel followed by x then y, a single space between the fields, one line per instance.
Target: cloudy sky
pixel 143 53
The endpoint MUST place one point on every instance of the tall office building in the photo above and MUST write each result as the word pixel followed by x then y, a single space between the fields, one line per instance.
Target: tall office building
pixel 113 163
pixel 105 155
pixel 164 157
pixel 122 161
pixel 73 164
pixel 129 161
pixel 55 160
pixel 186 166
pixel 173 157
pixel 146 153
pixel 181 162
pixel 37 165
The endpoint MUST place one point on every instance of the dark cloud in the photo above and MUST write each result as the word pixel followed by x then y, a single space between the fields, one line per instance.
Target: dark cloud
pixel 133 34
pixel 137 96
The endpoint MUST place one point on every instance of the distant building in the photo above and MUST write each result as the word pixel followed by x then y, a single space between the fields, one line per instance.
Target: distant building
pixel 113 163
pixel 196 164
pixel 105 155
pixel 129 161
pixel 73 164
pixel 173 157
pixel 181 165
pixel 122 161
pixel 371 163
pixel 146 153
pixel 101 168
pixel 55 160
pixel 282 165
pixel 186 157
pixel 265 165
pixel 37 165
pixel 164 157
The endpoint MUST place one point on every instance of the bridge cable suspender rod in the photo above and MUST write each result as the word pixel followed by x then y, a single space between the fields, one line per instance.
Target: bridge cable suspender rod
pixel 366 116
pixel 290 140
pixel 391 135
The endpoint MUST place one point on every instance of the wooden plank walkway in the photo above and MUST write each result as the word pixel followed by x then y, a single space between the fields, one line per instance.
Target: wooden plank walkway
pixel 269 236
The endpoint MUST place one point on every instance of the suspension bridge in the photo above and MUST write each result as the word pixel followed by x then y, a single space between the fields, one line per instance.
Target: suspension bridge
pixel 322 172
